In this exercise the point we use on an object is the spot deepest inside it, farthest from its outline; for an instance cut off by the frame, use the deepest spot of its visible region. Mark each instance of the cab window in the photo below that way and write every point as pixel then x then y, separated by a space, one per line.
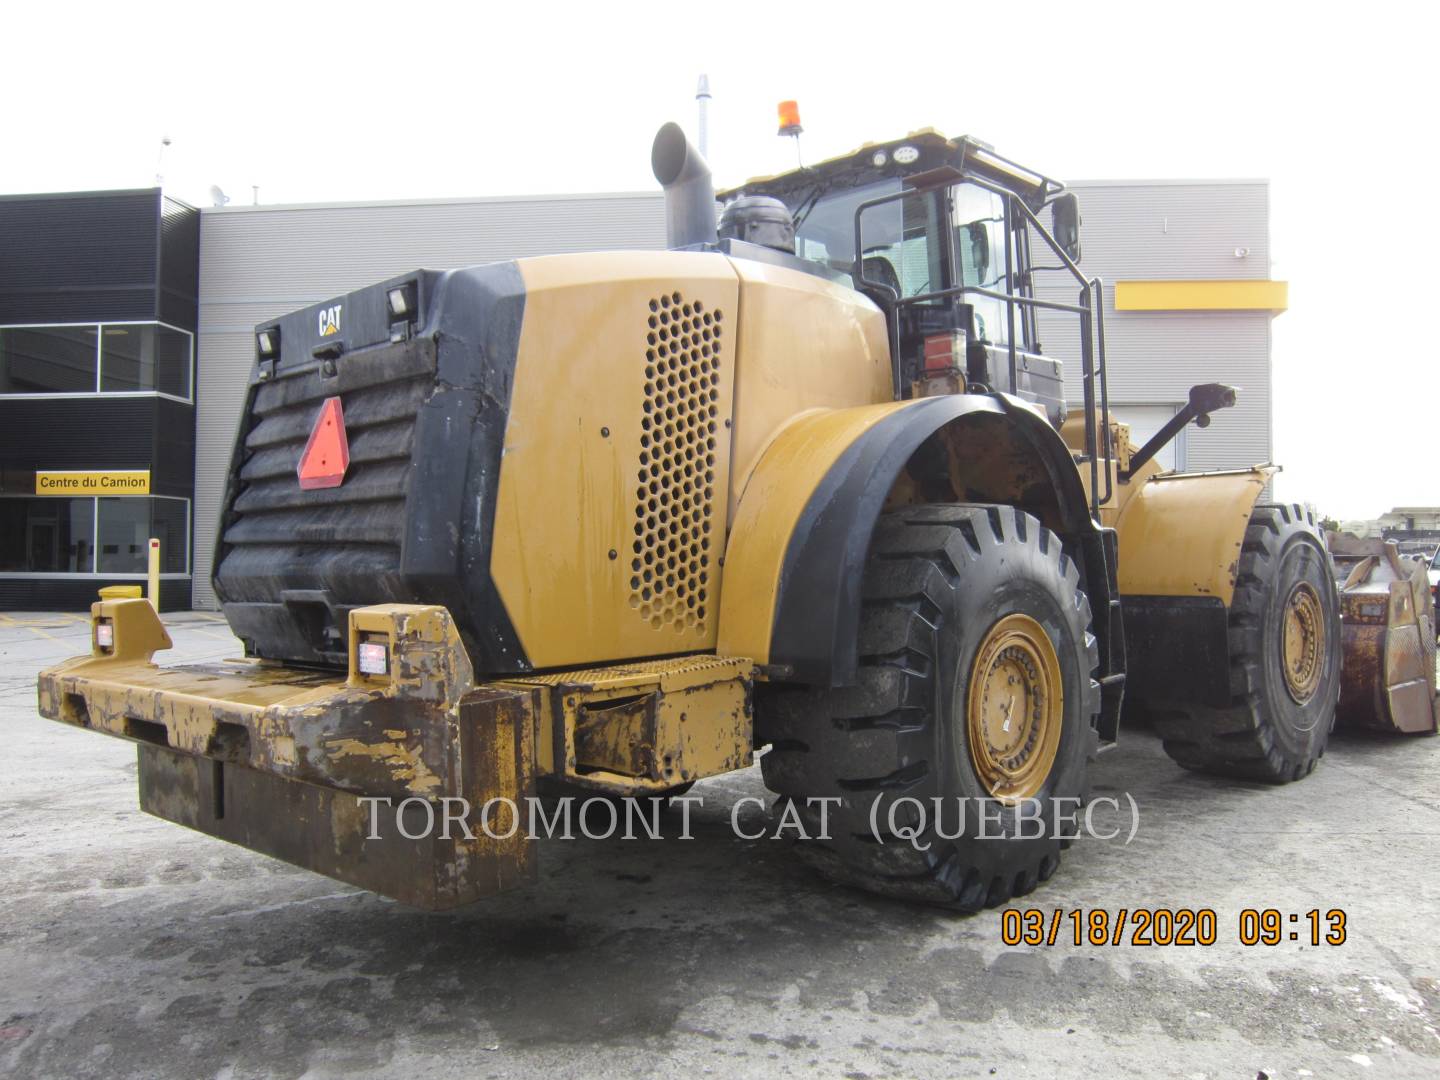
pixel 902 238
pixel 902 248
pixel 978 218
pixel 825 232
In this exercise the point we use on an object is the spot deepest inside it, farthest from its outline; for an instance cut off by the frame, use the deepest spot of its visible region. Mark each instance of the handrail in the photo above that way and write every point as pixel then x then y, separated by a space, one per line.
pixel 1090 310
pixel 1099 292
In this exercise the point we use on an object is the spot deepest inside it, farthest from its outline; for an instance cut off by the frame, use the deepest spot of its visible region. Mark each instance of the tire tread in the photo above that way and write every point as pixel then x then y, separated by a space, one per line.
pixel 1239 740
pixel 875 737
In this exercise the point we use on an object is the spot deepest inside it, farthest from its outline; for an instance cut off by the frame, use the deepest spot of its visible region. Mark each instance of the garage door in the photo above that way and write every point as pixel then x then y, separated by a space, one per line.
pixel 1146 420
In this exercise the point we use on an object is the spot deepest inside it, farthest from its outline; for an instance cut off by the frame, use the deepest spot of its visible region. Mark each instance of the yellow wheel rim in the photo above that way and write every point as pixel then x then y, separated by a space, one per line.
pixel 1015 709
pixel 1302 643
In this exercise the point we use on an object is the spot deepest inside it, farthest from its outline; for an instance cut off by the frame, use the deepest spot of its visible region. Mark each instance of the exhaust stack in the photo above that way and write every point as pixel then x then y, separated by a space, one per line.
pixel 689 191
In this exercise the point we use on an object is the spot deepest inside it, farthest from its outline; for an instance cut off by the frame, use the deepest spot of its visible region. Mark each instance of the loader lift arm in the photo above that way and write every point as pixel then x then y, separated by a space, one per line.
pixel 1204 399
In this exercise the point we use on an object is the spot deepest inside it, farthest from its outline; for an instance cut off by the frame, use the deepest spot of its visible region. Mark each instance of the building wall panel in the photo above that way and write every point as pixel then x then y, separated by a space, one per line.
pixel 86 256
pixel 1169 230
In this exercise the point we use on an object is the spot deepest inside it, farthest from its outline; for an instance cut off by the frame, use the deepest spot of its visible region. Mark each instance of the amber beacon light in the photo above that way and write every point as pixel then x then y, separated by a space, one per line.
pixel 789 118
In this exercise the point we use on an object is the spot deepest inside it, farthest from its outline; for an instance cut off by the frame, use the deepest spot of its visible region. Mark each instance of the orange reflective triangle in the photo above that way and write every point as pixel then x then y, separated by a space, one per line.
pixel 327 454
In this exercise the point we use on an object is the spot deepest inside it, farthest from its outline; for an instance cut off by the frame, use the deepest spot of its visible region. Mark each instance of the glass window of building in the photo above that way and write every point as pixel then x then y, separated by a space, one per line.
pixel 39 536
pixel 48 359
pixel 170 524
pixel 124 536
pixel 126 526
pixel 113 358
pixel 148 357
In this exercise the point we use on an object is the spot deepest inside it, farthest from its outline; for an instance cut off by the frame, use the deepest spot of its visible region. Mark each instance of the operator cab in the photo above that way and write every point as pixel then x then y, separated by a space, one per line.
pixel 938 233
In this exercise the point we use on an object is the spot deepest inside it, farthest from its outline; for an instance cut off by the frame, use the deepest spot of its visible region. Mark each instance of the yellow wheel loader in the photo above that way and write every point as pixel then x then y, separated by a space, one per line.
pixel 617 522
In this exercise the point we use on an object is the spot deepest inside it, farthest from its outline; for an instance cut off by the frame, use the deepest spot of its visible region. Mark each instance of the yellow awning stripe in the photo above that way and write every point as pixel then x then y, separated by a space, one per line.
pixel 1202 296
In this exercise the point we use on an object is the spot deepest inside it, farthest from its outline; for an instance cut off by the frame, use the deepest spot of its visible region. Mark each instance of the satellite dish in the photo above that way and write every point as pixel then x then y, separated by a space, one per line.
pixel 218 197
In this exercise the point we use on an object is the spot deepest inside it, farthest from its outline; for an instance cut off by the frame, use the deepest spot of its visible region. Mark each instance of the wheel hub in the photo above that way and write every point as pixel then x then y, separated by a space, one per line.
pixel 1015 708
pixel 1302 642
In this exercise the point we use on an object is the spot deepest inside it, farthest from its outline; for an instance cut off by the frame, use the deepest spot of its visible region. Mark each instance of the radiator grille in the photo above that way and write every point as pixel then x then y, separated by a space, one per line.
pixel 670 567
pixel 332 538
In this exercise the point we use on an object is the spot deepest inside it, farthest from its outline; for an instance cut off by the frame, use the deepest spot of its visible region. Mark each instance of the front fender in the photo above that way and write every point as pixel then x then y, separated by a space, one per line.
pixel 1181 533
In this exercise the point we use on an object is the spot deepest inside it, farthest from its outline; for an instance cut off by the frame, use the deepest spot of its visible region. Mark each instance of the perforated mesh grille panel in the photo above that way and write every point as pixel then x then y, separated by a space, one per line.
pixel 670 567
pixel 604 677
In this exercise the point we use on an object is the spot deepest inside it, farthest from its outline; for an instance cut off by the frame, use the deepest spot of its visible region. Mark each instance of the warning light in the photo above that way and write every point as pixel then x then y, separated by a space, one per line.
pixel 327 454
pixel 944 352
pixel 790 118
pixel 105 635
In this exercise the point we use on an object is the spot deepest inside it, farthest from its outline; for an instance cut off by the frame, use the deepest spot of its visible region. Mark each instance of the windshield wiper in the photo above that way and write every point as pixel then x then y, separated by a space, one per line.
pixel 821 189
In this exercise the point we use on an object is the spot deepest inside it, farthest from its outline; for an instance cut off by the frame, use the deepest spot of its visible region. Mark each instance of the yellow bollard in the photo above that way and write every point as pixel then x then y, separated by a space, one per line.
pixel 154 572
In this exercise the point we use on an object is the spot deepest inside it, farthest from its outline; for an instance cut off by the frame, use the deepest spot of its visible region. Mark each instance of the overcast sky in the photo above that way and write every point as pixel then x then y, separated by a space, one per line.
pixel 1334 104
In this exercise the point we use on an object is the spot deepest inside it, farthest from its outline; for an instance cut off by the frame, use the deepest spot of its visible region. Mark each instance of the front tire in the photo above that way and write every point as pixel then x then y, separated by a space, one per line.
pixel 1284 637
pixel 975 690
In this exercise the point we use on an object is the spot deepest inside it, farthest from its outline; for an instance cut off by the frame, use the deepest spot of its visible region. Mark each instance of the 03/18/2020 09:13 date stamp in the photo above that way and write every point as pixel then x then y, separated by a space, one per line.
pixel 1169 926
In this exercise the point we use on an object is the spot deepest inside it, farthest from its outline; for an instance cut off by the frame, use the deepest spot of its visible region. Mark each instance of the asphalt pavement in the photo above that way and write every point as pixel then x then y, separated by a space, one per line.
pixel 133 947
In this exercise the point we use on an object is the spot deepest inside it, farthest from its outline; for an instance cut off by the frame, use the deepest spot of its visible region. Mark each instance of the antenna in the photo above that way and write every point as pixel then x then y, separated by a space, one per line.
pixel 702 105
pixel 254 194
pixel 218 197
pixel 160 161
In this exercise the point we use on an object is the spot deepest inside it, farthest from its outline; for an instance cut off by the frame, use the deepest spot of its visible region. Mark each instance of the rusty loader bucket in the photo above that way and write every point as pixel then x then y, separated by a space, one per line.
pixel 1388 634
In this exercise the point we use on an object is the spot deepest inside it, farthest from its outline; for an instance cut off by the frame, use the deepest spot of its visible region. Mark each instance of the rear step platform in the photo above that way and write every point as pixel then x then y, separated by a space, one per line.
pixel 336 773
pixel 381 776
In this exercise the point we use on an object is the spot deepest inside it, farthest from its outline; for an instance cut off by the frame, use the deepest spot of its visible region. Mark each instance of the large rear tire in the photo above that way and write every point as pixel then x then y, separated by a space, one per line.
pixel 1284 636
pixel 975 689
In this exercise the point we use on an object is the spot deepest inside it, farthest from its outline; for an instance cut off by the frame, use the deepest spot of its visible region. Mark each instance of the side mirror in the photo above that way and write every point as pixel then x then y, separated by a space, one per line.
pixel 1065 211
pixel 979 239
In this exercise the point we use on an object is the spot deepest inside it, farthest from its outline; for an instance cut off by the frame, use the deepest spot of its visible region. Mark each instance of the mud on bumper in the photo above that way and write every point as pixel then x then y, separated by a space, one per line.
pixel 281 760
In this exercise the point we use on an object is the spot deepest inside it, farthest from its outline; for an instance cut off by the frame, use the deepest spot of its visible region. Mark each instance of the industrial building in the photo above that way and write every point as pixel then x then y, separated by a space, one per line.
pixel 1415 528
pixel 1185 264
pixel 97 395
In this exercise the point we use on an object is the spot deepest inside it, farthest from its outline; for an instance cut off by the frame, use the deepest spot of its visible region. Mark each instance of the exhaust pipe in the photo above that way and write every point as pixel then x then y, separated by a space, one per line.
pixel 689 191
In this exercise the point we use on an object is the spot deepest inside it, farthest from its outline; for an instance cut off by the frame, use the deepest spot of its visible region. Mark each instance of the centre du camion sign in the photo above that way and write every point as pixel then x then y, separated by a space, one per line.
pixel 126 482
